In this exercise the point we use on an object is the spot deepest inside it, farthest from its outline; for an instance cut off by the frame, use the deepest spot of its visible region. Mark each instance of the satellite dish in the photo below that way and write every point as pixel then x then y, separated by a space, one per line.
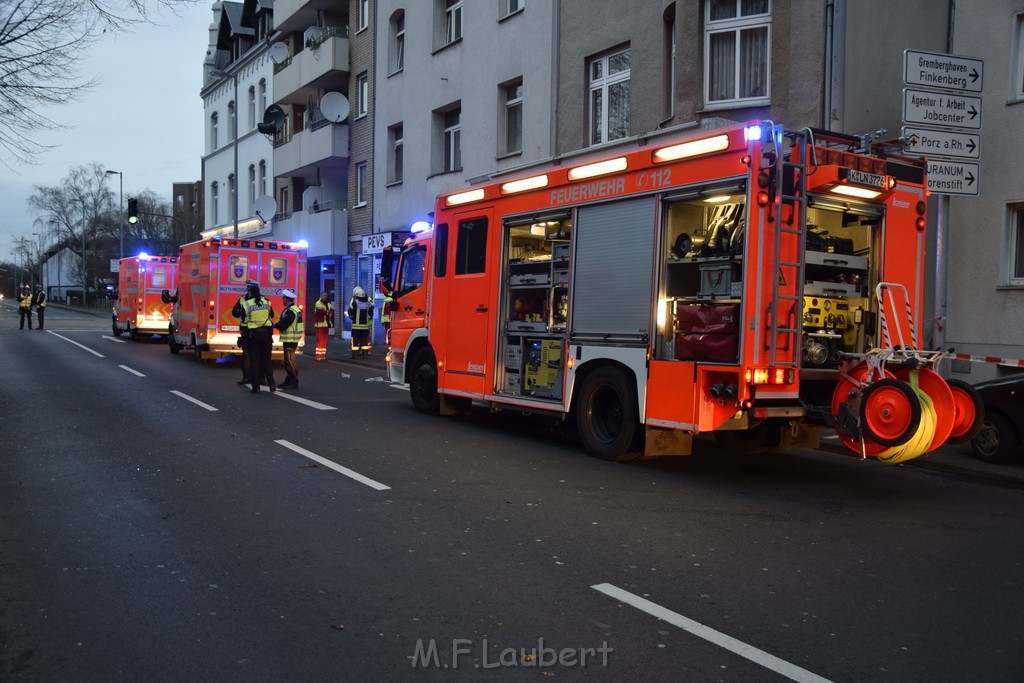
pixel 273 120
pixel 334 107
pixel 264 208
pixel 278 53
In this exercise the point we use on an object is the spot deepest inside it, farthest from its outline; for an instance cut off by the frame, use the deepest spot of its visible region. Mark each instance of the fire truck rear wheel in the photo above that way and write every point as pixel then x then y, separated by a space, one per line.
pixel 969 411
pixel 607 416
pixel 423 382
pixel 114 330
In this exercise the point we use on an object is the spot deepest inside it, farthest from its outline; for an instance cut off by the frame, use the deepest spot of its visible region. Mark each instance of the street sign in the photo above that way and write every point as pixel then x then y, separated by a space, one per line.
pixel 941 109
pixel 952 177
pixel 932 70
pixel 941 143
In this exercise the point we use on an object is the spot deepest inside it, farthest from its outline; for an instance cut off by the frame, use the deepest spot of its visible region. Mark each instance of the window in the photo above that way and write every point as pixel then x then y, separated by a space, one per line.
pixel 736 39
pixel 511 6
pixel 609 97
pixel 364 14
pixel 514 117
pixel 452 21
pixel 238 268
pixel 1018 41
pixel 395 143
pixel 441 250
pixel 471 248
pixel 453 140
pixel 232 123
pixel 396 55
pixel 362 94
pixel 252 184
pixel 414 262
pixel 263 96
pixel 361 184
pixel 252 107
pixel 214 197
pixel 1016 250
pixel 263 178
pixel 233 203
pixel 214 121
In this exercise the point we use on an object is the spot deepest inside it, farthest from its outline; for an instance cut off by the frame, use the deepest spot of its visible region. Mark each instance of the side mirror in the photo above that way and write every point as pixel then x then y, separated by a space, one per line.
pixel 167 298
pixel 392 305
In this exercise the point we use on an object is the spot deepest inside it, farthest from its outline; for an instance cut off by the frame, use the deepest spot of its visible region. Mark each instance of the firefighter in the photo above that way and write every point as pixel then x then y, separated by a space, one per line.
pixel 238 311
pixel 25 308
pixel 323 321
pixel 39 301
pixel 360 311
pixel 290 327
pixel 259 319
pixel 385 309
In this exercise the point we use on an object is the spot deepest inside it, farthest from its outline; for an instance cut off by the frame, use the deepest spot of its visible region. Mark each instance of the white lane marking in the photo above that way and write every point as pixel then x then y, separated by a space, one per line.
pixel 114 339
pixel 333 465
pixel 134 372
pixel 95 353
pixel 304 401
pixel 194 400
pixel 779 666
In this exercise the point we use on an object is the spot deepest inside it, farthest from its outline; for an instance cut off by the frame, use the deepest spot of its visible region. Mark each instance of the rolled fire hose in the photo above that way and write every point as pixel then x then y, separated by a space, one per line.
pixel 922 439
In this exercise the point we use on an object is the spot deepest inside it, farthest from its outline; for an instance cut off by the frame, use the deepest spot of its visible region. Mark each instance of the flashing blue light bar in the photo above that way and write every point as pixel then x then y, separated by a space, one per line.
pixel 754 132
pixel 303 244
pixel 143 255
pixel 420 226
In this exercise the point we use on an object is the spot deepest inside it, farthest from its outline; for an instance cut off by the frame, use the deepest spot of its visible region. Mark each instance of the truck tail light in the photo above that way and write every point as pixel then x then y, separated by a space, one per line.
pixel 769 376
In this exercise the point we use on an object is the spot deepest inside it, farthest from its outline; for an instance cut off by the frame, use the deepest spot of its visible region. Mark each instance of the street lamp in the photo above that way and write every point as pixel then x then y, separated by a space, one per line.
pixel 40 257
pixel 120 222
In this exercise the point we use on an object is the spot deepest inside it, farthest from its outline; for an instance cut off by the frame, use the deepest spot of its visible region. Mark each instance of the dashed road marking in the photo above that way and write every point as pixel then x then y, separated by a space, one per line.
pixel 134 372
pixel 71 341
pixel 333 465
pixel 194 400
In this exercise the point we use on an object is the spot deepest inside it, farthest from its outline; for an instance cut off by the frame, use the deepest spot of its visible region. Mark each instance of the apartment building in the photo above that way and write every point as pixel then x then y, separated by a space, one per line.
pixel 237 73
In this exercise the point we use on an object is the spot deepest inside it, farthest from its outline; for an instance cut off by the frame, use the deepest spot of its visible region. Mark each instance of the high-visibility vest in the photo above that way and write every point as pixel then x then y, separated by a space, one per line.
pixel 292 333
pixel 322 313
pixel 25 301
pixel 363 310
pixel 257 315
pixel 40 300
pixel 385 311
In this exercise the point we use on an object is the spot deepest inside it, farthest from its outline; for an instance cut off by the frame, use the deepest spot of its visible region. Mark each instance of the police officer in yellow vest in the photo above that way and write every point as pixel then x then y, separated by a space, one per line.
pixel 39 301
pixel 290 327
pixel 259 319
pixel 25 308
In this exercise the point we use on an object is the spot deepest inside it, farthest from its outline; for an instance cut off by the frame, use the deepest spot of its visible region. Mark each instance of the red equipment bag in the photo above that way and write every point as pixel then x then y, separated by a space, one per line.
pixel 707 333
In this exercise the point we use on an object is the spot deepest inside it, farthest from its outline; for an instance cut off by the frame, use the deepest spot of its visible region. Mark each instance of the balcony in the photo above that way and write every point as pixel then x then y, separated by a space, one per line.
pixel 311 148
pixel 297 15
pixel 326 231
pixel 322 66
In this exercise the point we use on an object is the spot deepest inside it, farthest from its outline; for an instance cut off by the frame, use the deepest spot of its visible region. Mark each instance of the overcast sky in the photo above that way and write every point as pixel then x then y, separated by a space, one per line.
pixel 145 118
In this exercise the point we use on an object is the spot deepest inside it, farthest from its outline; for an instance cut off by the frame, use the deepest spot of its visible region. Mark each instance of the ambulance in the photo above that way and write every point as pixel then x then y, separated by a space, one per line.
pixel 214 274
pixel 754 282
pixel 141 309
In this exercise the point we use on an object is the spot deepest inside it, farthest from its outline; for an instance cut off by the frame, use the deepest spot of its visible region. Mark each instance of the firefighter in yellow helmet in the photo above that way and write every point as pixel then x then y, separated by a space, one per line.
pixel 25 307
pixel 360 311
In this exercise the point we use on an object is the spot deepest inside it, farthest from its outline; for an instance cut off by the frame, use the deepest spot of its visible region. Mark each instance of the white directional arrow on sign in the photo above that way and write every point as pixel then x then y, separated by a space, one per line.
pixel 949 72
pixel 941 109
pixel 951 177
pixel 941 143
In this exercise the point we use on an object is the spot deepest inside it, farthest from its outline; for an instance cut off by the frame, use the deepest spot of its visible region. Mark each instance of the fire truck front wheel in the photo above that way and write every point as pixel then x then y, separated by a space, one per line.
pixel 423 382
pixel 607 416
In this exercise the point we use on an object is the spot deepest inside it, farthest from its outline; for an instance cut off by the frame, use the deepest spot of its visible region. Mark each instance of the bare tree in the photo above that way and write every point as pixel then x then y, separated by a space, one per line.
pixel 41 44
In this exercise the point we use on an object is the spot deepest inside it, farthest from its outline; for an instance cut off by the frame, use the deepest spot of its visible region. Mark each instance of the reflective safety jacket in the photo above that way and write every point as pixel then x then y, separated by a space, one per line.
pixel 360 310
pixel 258 315
pixel 385 311
pixel 40 299
pixel 291 329
pixel 25 300
pixel 323 314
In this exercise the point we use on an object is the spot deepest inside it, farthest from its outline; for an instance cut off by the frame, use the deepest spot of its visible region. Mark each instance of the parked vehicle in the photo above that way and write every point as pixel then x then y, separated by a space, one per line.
pixel 1001 438
pixel 140 309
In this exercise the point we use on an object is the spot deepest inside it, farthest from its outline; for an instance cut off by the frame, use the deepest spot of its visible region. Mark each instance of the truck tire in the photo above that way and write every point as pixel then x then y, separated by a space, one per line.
pixel 114 330
pixel 607 416
pixel 997 442
pixel 423 382
pixel 171 342
pixel 969 411
pixel 197 353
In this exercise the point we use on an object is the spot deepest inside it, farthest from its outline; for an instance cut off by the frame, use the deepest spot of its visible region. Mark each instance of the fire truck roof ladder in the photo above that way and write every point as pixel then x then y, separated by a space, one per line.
pixel 790 192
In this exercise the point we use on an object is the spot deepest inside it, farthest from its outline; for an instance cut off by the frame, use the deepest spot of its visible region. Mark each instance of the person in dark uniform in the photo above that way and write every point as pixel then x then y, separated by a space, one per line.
pixel 243 335
pixel 259 319
pixel 25 308
pixel 290 327
pixel 39 301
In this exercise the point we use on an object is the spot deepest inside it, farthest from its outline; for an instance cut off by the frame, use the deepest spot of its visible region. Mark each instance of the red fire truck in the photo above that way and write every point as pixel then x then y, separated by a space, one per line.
pixel 755 282
pixel 142 281
pixel 214 274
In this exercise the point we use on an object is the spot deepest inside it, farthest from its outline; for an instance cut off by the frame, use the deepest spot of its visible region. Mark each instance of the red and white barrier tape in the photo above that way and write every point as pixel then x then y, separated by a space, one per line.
pixel 991 360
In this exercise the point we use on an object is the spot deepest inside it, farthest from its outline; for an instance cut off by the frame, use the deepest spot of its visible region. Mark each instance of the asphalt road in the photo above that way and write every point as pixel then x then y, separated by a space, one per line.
pixel 159 523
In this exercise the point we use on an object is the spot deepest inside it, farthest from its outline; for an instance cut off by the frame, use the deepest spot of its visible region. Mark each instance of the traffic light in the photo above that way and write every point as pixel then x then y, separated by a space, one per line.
pixel 133 210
